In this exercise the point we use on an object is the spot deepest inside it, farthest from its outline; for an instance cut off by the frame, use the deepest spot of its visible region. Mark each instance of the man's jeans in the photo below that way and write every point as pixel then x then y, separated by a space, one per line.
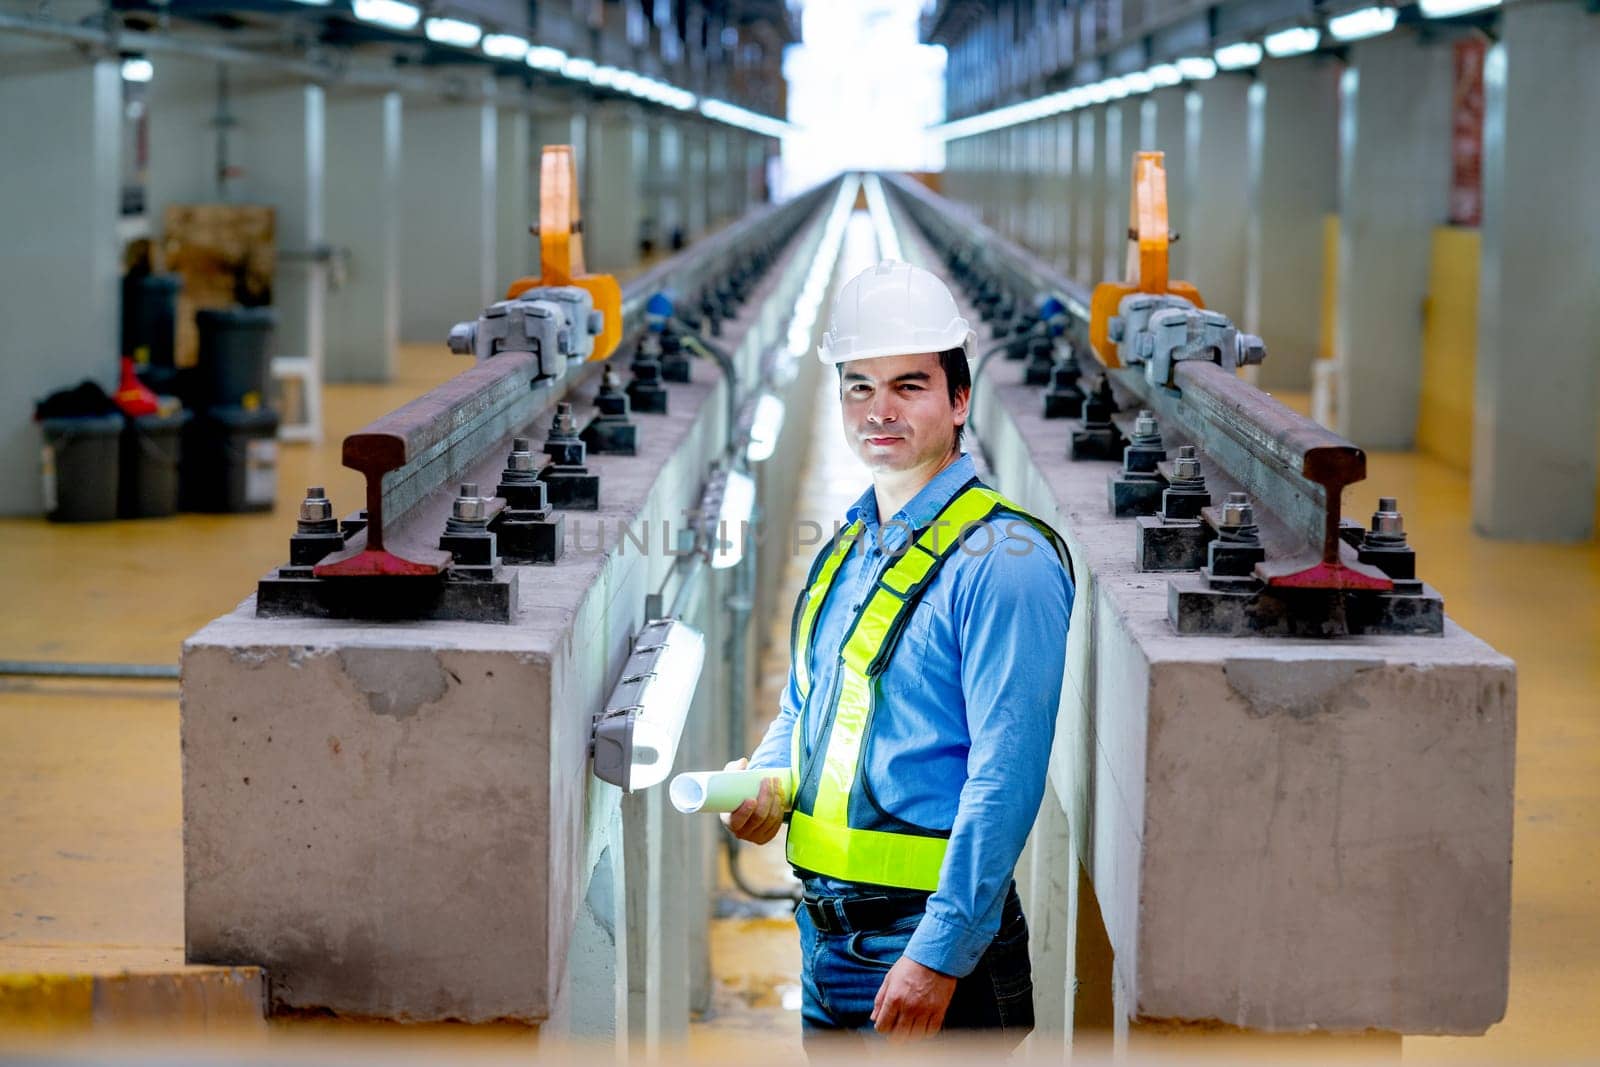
pixel 841 974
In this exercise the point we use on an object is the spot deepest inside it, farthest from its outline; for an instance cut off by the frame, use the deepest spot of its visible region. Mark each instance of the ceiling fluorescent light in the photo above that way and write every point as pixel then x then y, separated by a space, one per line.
pixel 1197 68
pixel 1444 9
pixel 1164 74
pixel 1116 88
pixel 604 76
pixel 314 3
pixel 1140 82
pixel 394 14
pixel 1362 23
pixel 1295 41
pixel 765 426
pixel 543 57
pixel 578 69
pixel 505 46
pixel 137 69
pixel 1238 56
pixel 456 32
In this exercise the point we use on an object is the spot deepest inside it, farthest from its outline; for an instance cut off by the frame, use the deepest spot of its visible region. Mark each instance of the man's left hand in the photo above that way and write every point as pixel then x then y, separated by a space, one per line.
pixel 912 1001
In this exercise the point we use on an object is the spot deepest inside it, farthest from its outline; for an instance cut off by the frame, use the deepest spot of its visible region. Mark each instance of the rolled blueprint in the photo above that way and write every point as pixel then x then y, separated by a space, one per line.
pixel 695 791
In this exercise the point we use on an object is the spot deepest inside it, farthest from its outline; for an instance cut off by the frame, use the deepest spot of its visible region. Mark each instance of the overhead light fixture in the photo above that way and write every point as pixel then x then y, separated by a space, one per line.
pixel 1165 75
pixel 634 741
pixel 543 57
pixel 505 46
pixel 1240 55
pixel 395 14
pixel 765 426
pixel 734 493
pixel 1116 88
pixel 1197 68
pixel 1295 41
pixel 1139 81
pixel 604 76
pixel 457 32
pixel 137 69
pixel 314 3
pixel 1445 9
pixel 1362 23
pixel 577 68
pixel 732 115
pixel 628 82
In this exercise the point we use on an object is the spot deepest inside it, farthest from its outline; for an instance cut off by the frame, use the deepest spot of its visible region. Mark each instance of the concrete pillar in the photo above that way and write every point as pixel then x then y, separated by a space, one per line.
pixel 59 262
pixel 1061 210
pixel 1121 134
pixel 616 176
pixel 671 165
pixel 1292 160
pixel 593 1002
pixel 363 226
pixel 1163 122
pixel 284 157
pixel 1218 191
pixel 1040 199
pixel 1089 225
pixel 717 211
pixel 1538 361
pixel 447 248
pixel 516 209
pixel 642 826
pixel 182 136
pixel 696 193
pixel 1394 174
pixel 755 173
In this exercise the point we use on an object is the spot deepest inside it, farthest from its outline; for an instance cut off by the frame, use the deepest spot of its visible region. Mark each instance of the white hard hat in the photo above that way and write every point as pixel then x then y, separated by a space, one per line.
pixel 893 309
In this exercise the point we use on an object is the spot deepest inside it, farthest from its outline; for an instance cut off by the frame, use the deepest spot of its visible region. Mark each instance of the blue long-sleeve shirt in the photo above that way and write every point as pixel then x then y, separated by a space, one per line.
pixel 965 711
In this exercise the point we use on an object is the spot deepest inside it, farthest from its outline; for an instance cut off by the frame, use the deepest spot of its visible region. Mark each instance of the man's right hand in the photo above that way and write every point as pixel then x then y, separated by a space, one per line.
pixel 759 819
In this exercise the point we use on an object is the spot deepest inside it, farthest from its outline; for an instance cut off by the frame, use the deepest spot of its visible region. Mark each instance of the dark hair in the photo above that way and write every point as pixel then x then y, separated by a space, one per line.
pixel 957 377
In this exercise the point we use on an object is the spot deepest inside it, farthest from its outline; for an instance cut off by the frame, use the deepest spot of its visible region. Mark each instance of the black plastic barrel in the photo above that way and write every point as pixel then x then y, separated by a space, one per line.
pixel 150 318
pixel 81 467
pixel 151 448
pixel 232 367
pixel 230 460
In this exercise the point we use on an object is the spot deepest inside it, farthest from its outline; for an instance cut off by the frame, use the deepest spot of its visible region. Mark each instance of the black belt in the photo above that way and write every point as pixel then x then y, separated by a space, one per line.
pixel 843 915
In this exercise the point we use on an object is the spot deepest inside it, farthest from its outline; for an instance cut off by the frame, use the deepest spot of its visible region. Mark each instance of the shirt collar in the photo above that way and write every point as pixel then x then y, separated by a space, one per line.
pixel 921 509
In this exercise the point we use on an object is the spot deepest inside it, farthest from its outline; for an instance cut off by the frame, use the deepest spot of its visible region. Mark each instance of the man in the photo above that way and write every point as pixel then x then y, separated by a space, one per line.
pixel 922 694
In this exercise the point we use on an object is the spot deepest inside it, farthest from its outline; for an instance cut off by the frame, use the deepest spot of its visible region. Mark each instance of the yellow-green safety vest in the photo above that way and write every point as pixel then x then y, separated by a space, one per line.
pixel 872 848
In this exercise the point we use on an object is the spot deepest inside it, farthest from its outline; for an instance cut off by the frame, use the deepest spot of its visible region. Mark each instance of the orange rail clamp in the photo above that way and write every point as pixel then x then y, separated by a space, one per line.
pixel 1148 241
pixel 560 232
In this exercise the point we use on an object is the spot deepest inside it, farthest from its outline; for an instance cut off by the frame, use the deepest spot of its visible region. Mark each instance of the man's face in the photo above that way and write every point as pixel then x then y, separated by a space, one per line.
pixel 897 411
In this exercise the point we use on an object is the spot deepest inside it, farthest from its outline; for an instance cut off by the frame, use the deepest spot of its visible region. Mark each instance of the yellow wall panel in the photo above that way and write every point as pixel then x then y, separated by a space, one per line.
pixel 1450 348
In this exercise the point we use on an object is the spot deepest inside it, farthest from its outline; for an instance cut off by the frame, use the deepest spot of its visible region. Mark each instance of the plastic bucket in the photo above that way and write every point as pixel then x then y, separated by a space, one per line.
pixel 80 467
pixel 151 449
pixel 232 367
pixel 230 460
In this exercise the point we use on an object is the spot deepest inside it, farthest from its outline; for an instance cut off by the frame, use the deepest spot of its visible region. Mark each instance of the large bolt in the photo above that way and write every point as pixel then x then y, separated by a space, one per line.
pixel 521 458
pixel 1251 349
pixel 463 338
pixel 1387 521
pixel 469 506
pixel 316 507
pixel 1186 468
pixel 1145 425
pixel 562 425
pixel 1236 511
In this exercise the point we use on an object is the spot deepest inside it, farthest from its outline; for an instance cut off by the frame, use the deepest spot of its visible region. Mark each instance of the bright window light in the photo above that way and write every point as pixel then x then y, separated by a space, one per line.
pixel 1362 23
pixel 1197 68
pixel 394 14
pixel 543 57
pixel 577 68
pixel 456 32
pixel 1240 55
pixel 505 46
pixel 765 428
pixel 137 69
pixel 1294 41
pixel 1444 9
pixel 1164 74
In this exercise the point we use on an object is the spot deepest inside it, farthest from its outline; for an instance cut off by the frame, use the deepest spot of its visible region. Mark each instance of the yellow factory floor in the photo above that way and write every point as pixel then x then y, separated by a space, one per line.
pixel 90 856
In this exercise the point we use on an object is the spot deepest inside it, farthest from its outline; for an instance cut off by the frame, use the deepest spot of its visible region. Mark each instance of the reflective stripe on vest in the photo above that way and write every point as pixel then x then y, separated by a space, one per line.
pixel 822 838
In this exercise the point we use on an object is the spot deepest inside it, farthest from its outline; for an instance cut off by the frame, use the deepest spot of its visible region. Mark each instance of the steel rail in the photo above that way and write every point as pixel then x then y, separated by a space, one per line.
pixel 1292 466
pixel 409 455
